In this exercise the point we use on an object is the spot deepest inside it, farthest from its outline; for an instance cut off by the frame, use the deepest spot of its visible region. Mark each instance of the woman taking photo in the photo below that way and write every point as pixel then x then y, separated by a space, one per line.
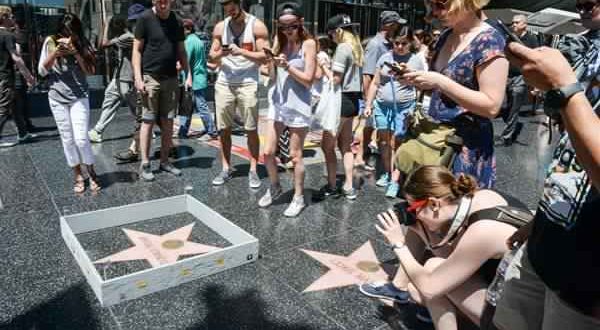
pixel 393 102
pixel 467 81
pixel 451 220
pixel 293 63
pixel 347 73
pixel 66 59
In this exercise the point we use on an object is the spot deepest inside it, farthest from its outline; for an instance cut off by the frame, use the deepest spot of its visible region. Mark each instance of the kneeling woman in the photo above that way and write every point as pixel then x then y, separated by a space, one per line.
pixel 295 60
pixel 466 246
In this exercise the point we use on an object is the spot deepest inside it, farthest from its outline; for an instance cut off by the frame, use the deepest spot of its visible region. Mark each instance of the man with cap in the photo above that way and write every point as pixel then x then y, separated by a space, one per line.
pixel 237 47
pixel 158 46
pixel 197 81
pixel 380 44
pixel 121 88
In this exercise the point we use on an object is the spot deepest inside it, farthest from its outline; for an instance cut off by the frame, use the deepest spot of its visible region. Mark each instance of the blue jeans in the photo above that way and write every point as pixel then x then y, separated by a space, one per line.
pixel 201 107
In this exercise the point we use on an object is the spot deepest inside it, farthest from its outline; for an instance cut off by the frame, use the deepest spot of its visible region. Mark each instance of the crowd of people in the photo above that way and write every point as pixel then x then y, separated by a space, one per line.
pixel 426 98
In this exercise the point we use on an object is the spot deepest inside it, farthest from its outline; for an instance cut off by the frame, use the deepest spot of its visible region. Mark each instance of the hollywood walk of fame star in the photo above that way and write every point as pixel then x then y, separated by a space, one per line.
pixel 159 249
pixel 359 267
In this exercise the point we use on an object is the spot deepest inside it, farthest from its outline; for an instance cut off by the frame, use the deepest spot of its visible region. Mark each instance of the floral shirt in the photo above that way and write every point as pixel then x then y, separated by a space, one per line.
pixel 477 156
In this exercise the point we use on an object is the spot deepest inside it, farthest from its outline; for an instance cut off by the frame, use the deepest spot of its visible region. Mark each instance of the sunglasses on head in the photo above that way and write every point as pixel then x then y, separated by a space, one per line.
pixel 289 27
pixel 586 6
pixel 439 4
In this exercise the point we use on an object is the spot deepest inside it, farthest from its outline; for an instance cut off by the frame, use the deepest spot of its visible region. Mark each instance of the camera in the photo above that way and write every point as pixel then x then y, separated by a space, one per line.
pixel 405 217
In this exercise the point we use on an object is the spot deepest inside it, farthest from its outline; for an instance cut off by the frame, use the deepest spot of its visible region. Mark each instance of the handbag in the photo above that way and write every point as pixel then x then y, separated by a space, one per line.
pixel 186 102
pixel 329 109
pixel 430 143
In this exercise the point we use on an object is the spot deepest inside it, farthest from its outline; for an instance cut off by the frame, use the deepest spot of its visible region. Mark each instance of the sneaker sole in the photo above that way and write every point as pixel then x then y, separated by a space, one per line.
pixel 372 295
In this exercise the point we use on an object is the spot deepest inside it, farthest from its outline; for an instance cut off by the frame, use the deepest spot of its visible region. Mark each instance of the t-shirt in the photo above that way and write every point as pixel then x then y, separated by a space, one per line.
pixel 196 54
pixel 563 246
pixel 124 44
pixel 67 81
pixel 376 47
pixel 391 90
pixel 159 56
pixel 7 47
pixel 343 62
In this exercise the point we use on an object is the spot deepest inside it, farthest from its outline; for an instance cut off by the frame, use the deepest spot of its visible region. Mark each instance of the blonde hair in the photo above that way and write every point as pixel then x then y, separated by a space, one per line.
pixel 5 10
pixel 439 182
pixel 459 6
pixel 346 36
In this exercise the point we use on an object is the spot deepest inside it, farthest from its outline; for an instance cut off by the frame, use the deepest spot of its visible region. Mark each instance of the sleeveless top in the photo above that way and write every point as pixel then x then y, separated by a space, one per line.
pixel 288 93
pixel 238 69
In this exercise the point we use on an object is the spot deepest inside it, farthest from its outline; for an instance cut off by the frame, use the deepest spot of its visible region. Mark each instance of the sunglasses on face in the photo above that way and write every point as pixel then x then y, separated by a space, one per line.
pixel 586 6
pixel 516 22
pixel 439 4
pixel 289 27
pixel 401 43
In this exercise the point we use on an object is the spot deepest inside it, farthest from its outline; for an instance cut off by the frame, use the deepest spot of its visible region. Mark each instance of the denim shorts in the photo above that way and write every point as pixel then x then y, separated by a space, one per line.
pixel 396 120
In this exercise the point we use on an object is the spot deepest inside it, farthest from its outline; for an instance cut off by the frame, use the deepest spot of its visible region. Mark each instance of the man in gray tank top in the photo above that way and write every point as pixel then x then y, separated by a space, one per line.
pixel 237 49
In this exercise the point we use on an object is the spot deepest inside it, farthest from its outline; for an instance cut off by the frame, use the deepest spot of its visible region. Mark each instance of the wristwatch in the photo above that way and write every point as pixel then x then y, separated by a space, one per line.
pixel 397 247
pixel 557 99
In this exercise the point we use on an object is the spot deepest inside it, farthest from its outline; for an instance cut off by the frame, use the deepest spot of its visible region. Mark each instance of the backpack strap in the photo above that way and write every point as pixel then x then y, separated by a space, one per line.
pixel 514 216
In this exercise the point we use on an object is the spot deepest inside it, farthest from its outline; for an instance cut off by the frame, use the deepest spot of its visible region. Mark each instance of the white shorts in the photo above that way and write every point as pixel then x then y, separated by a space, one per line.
pixel 289 117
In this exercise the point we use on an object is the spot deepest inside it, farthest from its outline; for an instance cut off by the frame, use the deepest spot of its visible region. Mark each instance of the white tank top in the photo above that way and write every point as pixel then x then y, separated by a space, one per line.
pixel 238 69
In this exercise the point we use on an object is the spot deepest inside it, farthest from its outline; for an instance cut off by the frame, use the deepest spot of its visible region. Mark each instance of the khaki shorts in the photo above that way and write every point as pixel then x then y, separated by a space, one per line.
pixel 527 303
pixel 161 98
pixel 232 98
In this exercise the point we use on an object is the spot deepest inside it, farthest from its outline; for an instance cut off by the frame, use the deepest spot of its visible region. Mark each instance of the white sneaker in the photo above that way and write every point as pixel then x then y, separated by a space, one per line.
pixel 295 207
pixel 271 194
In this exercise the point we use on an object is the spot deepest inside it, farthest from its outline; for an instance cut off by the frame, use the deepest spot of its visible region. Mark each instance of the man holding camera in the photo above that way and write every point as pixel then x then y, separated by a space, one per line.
pixel 157 47
pixel 237 47
pixel 553 281
pixel 9 56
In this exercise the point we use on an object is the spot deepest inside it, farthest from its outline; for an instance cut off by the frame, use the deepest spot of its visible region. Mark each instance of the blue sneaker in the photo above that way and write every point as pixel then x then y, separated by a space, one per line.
pixel 383 180
pixel 392 190
pixel 385 291
pixel 423 314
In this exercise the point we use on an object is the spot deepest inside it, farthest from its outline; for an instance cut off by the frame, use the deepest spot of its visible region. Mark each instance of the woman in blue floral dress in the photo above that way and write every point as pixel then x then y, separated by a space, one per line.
pixel 467 83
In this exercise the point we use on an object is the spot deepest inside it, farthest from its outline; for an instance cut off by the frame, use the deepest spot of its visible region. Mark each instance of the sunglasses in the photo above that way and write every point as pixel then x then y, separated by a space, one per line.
pixel 439 4
pixel 416 205
pixel 289 27
pixel 401 43
pixel 516 22
pixel 586 7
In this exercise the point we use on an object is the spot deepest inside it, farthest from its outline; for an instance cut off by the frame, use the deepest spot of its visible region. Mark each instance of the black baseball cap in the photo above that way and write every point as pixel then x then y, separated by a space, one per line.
pixel 339 21
pixel 228 1
pixel 390 16
pixel 289 8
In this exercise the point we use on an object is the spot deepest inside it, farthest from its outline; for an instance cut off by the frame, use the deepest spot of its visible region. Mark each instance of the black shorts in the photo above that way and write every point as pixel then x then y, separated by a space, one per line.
pixel 350 106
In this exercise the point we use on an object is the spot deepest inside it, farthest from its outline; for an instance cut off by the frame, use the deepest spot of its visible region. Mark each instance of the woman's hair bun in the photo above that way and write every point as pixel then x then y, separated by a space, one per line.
pixel 464 185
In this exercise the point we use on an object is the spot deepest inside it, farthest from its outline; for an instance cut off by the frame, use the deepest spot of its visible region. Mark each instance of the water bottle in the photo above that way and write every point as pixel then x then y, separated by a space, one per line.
pixel 494 291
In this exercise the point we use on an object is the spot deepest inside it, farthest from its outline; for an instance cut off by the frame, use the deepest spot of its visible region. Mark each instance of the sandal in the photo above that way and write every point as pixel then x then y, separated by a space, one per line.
pixel 79 186
pixel 94 184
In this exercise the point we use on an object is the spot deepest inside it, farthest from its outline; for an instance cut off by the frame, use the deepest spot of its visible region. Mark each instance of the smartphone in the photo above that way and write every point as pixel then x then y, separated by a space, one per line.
pixel 268 52
pixel 395 67
pixel 225 47
pixel 508 33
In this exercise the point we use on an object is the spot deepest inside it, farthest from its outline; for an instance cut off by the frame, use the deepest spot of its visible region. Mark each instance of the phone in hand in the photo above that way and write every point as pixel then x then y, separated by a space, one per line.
pixel 226 47
pixel 396 68
pixel 269 52
pixel 508 34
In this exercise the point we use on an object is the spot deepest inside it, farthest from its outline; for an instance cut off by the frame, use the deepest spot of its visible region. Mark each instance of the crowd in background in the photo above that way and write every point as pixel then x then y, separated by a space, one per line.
pixel 425 99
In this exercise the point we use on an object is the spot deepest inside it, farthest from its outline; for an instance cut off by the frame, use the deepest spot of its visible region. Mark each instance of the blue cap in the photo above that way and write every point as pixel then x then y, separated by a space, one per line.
pixel 135 11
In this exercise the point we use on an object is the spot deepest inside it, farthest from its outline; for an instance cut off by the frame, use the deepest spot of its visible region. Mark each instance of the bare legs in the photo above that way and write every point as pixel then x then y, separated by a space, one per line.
pixel 344 142
pixel 253 147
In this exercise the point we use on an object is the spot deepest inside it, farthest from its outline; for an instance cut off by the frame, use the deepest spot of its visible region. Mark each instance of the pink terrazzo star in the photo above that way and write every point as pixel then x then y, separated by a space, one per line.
pixel 159 249
pixel 359 267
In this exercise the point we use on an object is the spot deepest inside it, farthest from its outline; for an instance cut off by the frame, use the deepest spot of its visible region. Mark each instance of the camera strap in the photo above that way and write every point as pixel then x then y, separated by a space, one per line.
pixel 458 222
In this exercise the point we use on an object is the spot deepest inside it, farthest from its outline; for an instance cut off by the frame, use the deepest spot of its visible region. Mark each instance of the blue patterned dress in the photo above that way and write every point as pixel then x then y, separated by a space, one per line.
pixel 477 156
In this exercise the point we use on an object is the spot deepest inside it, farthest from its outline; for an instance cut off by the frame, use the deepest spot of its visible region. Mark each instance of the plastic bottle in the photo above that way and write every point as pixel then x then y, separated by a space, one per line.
pixel 494 291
